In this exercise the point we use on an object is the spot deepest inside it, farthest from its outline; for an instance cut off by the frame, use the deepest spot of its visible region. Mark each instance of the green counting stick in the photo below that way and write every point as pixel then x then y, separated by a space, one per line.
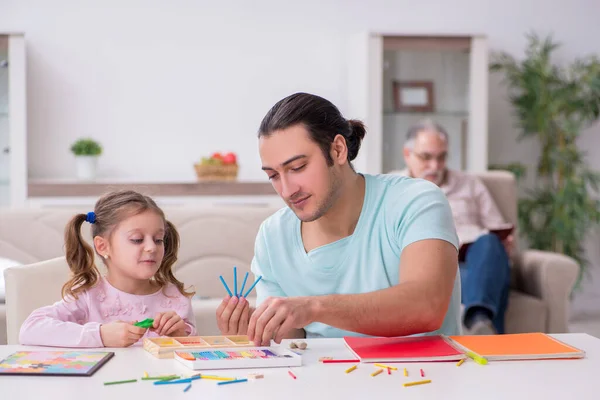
pixel 119 382
pixel 147 323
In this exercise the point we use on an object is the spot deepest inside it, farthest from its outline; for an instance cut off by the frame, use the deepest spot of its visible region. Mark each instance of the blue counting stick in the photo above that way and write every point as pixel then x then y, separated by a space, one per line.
pixel 226 287
pixel 235 281
pixel 244 284
pixel 252 287
pixel 235 381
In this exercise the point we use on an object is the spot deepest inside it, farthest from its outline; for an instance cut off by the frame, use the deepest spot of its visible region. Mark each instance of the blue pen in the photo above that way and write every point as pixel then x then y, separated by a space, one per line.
pixel 235 281
pixel 235 381
pixel 244 284
pixel 226 287
pixel 252 287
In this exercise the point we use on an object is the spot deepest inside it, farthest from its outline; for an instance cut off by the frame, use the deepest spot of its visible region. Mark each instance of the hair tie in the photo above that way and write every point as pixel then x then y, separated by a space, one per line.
pixel 91 217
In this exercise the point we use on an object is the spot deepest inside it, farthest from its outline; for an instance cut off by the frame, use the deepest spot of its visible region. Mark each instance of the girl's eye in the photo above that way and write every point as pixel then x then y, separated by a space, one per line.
pixel 273 177
pixel 159 241
pixel 137 241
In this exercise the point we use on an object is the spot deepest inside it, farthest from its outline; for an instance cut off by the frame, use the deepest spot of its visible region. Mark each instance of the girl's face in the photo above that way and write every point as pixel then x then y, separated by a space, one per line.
pixel 136 247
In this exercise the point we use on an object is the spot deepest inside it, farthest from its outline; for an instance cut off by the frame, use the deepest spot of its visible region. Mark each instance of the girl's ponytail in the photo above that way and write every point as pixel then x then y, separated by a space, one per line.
pixel 80 257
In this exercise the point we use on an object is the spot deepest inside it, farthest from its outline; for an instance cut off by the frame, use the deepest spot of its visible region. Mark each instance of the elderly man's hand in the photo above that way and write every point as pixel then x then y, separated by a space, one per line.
pixel 277 316
pixel 509 244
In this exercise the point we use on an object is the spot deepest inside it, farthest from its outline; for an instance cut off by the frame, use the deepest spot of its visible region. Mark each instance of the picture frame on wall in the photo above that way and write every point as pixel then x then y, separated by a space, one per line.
pixel 414 96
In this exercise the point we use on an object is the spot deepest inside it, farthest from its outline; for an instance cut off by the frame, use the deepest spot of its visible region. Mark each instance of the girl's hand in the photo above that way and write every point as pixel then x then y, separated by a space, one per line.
pixel 120 334
pixel 169 324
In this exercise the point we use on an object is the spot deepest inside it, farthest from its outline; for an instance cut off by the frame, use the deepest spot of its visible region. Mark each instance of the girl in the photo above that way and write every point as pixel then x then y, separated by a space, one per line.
pixel 139 247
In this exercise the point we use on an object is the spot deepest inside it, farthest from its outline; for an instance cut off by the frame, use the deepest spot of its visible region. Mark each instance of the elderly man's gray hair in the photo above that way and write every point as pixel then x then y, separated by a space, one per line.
pixel 424 125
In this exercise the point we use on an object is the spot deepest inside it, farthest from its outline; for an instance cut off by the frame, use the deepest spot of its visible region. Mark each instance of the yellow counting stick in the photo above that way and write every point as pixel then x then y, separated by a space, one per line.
pixel 458 364
pixel 216 378
pixel 350 369
pixel 477 358
pixel 417 383
pixel 386 366
pixel 405 372
pixel 377 372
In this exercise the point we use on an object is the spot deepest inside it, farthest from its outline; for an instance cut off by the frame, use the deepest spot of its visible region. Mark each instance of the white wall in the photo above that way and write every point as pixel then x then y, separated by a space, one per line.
pixel 172 81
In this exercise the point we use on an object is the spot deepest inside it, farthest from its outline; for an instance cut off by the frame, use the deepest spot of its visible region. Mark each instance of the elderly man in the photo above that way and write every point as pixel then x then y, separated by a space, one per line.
pixel 485 270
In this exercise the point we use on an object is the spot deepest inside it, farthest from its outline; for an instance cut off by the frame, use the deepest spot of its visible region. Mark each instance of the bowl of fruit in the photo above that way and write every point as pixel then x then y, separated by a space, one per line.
pixel 217 167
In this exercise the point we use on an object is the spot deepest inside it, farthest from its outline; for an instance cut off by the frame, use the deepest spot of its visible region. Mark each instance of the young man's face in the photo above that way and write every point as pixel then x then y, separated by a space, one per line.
pixel 427 158
pixel 299 172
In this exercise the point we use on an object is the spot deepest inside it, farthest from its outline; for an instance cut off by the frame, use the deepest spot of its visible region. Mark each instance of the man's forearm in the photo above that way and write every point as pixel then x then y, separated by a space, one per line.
pixel 401 310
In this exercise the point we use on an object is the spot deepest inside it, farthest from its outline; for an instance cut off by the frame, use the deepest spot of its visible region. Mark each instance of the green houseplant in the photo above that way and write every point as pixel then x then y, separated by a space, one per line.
pixel 86 153
pixel 553 104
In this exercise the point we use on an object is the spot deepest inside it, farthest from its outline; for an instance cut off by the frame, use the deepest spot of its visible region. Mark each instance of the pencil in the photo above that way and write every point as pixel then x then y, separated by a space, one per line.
pixel 386 366
pixel 244 283
pixel 226 287
pixel 458 364
pixel 235 281
pixel 417 383
pixel 292 374
pixel 377 372
pixel 252 287
pixel 119 382
pixel 351 369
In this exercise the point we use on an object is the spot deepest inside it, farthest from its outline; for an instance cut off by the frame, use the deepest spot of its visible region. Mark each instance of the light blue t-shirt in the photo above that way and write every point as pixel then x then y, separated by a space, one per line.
pixel 397 211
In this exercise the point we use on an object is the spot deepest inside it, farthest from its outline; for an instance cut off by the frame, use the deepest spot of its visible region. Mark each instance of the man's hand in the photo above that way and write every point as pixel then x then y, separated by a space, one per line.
pixel 233 315
pixel 509 244
pixel 278 316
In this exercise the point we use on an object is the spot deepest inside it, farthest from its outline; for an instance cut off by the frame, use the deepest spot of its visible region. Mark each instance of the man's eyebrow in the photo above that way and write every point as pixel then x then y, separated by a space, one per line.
pixel 283 164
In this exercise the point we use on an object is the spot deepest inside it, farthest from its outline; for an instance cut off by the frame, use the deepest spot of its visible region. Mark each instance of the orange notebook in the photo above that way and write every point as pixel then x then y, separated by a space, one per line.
pixel 403 349
pixel 518 346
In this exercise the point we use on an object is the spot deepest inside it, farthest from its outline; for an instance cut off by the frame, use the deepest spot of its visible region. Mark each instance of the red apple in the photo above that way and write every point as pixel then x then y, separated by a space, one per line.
pixel 229 158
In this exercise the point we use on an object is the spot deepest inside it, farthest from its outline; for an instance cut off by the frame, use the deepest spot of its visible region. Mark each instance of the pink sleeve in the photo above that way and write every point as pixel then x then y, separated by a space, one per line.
pixel 489 214
pixel 61 325
pixel 190 319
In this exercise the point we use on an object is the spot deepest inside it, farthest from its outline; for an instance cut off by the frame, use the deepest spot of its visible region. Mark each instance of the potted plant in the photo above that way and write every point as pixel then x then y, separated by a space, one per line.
pixel 86 153
pixel 554 104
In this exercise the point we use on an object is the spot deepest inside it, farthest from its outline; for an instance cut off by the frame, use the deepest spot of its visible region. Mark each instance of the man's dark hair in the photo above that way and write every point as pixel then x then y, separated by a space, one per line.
pixel 320 117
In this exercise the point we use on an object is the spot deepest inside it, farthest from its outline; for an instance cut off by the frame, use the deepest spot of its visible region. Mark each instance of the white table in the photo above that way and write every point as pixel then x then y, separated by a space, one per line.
pixel 551 379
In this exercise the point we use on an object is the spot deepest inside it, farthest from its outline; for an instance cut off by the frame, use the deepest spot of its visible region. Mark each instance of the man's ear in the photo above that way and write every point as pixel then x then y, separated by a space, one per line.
pixel 406 153
pixel 339 150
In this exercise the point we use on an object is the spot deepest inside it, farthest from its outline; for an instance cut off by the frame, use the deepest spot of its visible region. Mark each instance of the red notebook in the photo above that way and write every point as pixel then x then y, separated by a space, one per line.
pixel 403 349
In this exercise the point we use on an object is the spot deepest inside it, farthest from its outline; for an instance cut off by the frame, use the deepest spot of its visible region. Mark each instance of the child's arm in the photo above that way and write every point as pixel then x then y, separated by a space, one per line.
pixel 61 324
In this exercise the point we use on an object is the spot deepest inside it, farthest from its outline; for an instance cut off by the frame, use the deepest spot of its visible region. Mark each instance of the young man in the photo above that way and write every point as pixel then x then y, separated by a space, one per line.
pixel 351 254
pixel 485 272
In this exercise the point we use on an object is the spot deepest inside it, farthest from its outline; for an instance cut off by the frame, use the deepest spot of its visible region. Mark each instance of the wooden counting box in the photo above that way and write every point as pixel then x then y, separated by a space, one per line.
pixel 164 347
